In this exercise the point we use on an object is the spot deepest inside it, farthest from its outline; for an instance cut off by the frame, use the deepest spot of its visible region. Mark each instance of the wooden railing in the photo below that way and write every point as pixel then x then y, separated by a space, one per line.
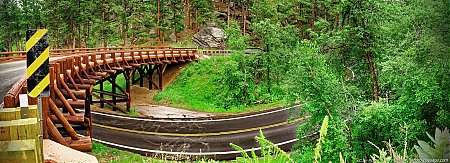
pixel 75 72
pixel 21 55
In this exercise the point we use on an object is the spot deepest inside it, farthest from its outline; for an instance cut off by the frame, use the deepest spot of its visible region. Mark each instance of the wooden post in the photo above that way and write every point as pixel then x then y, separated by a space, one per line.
pixel 150 76
pixel 102 104
pixel 52 81
pixel 160 77
pixel 45 114
pixel 62 120
pixel 55 133
pixel 141 76
pixel 87 111
pixel 113 87
pixel 128 89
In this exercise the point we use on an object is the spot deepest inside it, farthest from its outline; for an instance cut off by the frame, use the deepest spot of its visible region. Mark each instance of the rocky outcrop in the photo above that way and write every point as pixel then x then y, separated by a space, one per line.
pixel 210 37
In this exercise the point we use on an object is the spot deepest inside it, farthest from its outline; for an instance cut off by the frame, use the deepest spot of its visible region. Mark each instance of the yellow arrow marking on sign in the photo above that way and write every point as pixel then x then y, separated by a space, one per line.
pixel 37 63
pixel 35 38
pixel 40 87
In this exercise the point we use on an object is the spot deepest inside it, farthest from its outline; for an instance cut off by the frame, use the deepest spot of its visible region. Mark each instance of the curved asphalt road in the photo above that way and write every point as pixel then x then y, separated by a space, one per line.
pixel 189 138
pixel 10 73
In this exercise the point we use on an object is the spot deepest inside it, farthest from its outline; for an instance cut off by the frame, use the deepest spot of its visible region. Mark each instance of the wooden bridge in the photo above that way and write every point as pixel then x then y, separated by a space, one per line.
pixel 73 75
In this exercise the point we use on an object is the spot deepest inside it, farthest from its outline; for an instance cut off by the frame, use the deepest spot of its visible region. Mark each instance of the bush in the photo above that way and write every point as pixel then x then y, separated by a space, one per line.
pixel 379 122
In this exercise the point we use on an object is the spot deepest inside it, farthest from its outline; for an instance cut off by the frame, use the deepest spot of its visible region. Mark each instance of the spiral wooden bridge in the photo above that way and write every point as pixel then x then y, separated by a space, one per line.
pixel 73 75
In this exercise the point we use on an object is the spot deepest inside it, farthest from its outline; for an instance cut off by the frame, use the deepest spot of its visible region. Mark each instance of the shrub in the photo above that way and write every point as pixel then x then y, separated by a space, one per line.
pixel 382 121
pixel 441 148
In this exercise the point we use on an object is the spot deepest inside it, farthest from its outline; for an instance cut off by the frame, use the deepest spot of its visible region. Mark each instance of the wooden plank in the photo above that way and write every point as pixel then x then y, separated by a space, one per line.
pixel 84 144
pixel 18 129
pixel 63 121
pixel 26 128
pixel 53 131
pixel 77 119
pixel 5 131
pixel 13 130
pixel 33 111
pixel 18 151
pixel 8 114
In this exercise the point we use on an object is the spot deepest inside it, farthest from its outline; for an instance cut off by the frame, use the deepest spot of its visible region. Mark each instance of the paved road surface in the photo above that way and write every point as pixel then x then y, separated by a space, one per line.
pixel 184 138
pixel 10 73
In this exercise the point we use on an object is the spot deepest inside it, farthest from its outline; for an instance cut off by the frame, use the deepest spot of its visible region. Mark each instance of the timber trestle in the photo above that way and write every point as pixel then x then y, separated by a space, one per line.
pixel 81 77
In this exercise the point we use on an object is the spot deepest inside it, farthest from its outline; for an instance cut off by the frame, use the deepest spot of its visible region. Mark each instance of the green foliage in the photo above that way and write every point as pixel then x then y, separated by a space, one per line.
pixel 133 112
pixel 236 81
pixel 194 87
pixel 217 84
pixel 107 154
pixel 416 72
pixel 235 40
pixel 269 152
pixel 391 123
pixel 388 156
pixel 204 10
pixel 441 148
pixel 264 9
pixel 322 135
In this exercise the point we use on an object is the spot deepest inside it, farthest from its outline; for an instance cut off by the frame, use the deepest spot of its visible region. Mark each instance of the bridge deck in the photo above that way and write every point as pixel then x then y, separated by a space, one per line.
pixel 73 75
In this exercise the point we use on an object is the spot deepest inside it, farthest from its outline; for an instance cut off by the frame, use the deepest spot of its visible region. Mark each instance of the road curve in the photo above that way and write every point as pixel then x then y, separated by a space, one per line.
pixel 187 138
pixel 10 73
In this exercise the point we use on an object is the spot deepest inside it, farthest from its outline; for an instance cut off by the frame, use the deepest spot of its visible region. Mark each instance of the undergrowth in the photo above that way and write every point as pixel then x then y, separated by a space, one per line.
pixel 208 86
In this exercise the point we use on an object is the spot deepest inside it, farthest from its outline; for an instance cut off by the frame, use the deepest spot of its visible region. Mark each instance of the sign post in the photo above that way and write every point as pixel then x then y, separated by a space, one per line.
pixel 38 78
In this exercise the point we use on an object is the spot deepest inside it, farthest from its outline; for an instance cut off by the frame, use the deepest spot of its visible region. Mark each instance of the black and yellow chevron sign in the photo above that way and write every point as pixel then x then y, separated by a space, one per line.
pixel 37 48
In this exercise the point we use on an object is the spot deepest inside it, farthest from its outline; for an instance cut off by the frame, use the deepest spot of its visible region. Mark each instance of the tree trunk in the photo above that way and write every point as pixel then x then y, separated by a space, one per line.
pixel 73 41
pixel 124 22
pixel 74 34
pixel 57 43
pixel 336 21
pixel 8 43
pixel 369 57
pixel 312 14
pixel 228 13
pixel 158 15
pixel 103 24
pixel 189 14
pixel 78 25
pixel 196 20
pixel 132 33
pixel 243 18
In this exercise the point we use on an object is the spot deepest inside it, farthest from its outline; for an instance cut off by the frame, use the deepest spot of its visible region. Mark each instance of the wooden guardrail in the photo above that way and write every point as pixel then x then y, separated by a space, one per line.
pixel 215 52
pixel 20 55
pixel 75 72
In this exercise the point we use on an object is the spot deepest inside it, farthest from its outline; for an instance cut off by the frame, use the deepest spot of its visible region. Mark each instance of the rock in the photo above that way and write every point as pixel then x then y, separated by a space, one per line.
pixel 152 32
pixel 210 37
pixel 54 152
pixel 212 24
pixel 173 37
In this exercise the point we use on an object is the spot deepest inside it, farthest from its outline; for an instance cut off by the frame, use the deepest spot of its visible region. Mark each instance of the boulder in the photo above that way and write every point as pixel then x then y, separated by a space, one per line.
pixel 173 37
pixel 210 37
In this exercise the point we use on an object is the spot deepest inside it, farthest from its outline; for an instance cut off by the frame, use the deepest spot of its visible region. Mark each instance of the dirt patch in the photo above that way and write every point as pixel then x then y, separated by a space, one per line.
pixel 155 111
